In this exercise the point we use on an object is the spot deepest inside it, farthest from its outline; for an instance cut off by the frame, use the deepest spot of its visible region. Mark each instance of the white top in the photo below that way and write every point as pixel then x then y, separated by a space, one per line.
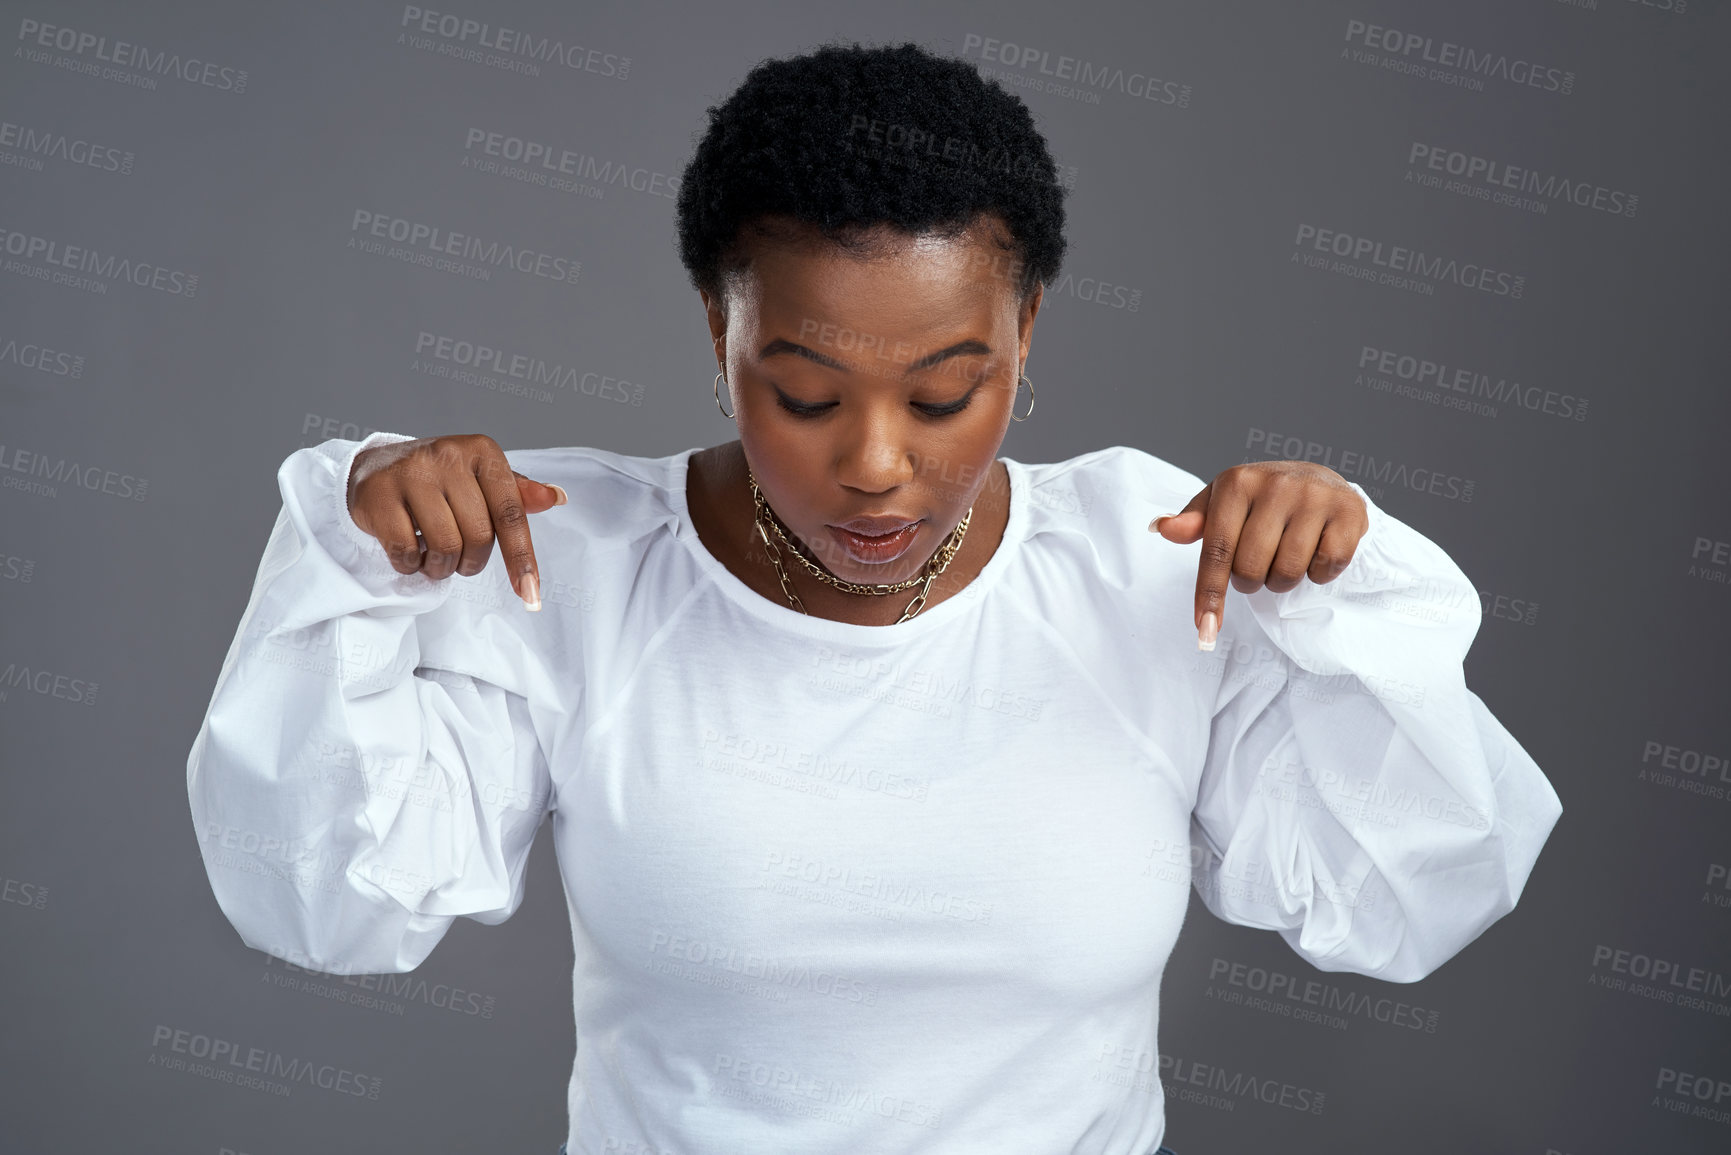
pixel 838 888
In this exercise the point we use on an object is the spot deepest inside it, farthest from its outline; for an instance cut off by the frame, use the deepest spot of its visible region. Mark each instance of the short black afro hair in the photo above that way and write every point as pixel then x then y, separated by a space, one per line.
pixel 850 137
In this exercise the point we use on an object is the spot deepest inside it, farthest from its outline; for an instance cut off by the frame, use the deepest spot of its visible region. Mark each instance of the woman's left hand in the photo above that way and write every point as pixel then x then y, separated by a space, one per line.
pixel 1266 523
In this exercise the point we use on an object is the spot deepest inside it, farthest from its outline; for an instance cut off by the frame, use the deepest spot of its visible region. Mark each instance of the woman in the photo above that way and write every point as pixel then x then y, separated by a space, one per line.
pixel 880 766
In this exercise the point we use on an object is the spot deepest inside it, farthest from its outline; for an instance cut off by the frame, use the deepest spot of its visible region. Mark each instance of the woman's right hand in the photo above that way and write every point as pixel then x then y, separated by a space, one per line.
pixel 461 494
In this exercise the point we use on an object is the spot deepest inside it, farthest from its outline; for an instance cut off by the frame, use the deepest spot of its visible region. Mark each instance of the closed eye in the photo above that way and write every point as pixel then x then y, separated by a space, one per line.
pixel 800 408
pixel 952 408
pixel 804 409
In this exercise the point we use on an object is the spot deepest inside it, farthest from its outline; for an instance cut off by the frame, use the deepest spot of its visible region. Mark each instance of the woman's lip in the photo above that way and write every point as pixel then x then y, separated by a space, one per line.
pixel 875 526
pixel 876 550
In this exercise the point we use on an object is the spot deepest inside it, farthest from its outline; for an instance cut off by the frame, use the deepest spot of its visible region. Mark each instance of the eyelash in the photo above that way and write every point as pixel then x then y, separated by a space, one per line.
pixel 819 410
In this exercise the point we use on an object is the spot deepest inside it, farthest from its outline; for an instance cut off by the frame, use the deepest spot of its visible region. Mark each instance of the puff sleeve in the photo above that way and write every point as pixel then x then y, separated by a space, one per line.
pixel 1355 796
pixel 373 759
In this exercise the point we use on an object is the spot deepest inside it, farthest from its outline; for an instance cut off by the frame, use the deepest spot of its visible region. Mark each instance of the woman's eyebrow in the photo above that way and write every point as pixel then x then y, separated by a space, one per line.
pixel 961 348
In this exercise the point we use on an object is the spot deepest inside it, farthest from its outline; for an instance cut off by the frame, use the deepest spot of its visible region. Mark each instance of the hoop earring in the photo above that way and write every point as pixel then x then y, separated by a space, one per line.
pixel 717 392
pixel 1030 412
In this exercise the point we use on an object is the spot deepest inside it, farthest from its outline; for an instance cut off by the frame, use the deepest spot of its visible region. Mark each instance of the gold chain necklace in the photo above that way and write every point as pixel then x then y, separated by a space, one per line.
pixel 935 565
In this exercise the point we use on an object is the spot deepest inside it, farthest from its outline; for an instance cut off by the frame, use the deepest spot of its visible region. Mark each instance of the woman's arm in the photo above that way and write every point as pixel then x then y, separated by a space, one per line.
pixel 1355 795
pixel 373 761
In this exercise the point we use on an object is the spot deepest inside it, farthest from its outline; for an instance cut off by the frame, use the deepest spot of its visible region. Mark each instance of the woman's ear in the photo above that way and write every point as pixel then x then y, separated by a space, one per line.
pixel 717 318
pixel 1025 325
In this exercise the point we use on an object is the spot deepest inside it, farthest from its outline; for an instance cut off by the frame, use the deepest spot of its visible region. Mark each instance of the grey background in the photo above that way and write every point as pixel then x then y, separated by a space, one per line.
pixel 1599 636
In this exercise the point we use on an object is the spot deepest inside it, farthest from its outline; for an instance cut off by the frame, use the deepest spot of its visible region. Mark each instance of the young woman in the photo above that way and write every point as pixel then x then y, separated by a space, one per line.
pixel 881 767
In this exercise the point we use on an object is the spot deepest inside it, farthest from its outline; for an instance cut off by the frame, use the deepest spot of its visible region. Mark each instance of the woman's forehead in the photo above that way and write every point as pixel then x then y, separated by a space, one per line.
pixel 788 241
pixel 966 273
pixel 882 300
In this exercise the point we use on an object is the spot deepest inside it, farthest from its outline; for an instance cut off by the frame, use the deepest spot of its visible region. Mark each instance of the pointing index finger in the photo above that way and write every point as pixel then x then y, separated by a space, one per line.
pixel 1223 520
pixel 510 526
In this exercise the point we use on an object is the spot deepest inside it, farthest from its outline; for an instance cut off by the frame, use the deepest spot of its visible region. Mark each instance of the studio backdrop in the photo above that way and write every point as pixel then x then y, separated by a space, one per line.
pixel 1469 255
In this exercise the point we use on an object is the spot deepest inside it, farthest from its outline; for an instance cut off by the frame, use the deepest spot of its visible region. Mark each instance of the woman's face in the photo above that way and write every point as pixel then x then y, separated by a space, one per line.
pixel 876 386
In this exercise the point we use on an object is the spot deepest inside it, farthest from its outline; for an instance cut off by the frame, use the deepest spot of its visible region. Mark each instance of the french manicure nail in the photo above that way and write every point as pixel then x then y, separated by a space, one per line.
pixel 560 490
pixel 531 592
pixel 1210 629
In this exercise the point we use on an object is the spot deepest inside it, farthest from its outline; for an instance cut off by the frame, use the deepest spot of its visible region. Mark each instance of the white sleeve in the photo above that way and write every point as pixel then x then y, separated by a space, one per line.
pixel 1355 795
pixel 372 761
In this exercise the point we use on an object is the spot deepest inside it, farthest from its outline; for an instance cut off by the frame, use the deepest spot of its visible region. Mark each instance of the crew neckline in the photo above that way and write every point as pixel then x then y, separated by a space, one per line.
pixel 784 617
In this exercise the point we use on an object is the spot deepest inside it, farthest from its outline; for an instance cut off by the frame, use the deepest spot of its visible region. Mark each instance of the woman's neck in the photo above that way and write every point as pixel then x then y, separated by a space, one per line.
pixel 719 500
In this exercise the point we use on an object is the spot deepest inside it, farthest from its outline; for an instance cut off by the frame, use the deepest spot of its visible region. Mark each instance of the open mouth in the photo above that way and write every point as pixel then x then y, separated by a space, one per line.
pixel 876 550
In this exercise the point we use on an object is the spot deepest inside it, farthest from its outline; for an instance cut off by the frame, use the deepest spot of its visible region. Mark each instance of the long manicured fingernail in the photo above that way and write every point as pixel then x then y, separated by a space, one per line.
pixel 1210 629
pixel 1154 526
pixel 560 490
pixel 531 592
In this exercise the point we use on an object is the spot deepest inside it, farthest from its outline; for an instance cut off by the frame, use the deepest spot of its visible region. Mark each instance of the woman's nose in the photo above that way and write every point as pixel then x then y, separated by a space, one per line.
pixel 875 456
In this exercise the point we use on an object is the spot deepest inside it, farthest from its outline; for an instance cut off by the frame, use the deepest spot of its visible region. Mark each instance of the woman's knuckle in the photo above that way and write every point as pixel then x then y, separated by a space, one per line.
pixel 510 516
